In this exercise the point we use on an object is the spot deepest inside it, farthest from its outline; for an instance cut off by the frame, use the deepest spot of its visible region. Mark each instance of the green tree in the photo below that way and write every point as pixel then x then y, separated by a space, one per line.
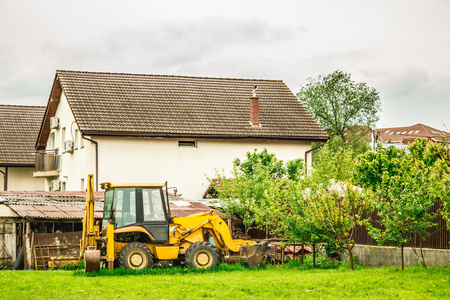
pixel 338 103
pixel 407 184
pixel 255 185
pixel 333 162
pixel 337 211
pixel 299 226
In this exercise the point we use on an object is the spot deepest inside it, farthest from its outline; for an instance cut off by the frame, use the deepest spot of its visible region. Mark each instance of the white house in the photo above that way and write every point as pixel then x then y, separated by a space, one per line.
pixel 19 128
pixel 143 128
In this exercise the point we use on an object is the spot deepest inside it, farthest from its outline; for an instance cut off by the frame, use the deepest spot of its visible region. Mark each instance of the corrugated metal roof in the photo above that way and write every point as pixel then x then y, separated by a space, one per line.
pixel 63 212
pixel 62 198
pixel 6 212
pixel 191 209
pixel 70 205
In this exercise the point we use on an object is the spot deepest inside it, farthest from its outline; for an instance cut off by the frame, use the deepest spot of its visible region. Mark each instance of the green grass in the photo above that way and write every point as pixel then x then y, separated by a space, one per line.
pixel 291 281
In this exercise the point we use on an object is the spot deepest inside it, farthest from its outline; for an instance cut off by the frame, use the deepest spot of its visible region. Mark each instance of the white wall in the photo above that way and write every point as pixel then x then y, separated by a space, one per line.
pixel 21 179
pixel 74 167
pixel 149 160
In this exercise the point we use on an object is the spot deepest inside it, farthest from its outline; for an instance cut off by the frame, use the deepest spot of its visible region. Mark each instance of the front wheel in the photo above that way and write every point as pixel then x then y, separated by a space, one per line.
pixel 202 255
pixel 136 256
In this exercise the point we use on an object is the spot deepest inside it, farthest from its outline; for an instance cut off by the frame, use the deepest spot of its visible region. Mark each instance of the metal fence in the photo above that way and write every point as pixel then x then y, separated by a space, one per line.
pixel 439 235
pixel 47 160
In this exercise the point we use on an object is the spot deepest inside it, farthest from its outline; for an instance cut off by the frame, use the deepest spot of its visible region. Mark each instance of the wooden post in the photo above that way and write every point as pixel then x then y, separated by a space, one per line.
pixel 301 253
pixel 275 255
pixel 27 241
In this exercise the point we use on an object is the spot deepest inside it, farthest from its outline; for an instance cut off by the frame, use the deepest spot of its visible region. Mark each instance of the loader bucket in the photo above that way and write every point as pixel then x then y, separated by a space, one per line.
pixel 91 260
pixel 254 254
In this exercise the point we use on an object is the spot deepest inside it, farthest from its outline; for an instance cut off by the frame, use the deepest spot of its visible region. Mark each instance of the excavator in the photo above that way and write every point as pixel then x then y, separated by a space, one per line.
pixel 137 232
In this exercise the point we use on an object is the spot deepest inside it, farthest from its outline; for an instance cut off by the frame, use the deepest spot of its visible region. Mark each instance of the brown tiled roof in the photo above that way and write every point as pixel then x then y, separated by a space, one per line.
pixel 408 134
pixel 19 129
pixel 157 105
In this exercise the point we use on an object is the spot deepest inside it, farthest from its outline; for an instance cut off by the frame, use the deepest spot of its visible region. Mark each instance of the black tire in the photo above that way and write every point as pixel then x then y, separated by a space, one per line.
pixel 136 256
pixel 202 255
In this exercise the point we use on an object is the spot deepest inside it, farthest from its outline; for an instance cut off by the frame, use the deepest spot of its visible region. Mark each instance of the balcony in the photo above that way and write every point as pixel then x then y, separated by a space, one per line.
pixel 47 163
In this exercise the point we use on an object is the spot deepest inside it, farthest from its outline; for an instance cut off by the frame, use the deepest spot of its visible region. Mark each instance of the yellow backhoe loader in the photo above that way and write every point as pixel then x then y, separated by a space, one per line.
pixel 137 231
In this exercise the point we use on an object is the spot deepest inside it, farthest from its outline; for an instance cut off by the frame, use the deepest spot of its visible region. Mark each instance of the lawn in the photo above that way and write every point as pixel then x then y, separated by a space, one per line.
pixel 235 282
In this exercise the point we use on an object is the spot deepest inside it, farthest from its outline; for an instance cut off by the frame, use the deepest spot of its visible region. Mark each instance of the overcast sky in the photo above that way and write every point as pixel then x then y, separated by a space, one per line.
pixel 401 48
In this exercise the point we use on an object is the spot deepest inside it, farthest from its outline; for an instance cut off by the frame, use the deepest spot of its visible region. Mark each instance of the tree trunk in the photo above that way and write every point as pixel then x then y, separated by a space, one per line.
pixel 314 255
pixel 350 257
pixel 423 258
pixel 420 257
pixel 403 259
pixel 350 254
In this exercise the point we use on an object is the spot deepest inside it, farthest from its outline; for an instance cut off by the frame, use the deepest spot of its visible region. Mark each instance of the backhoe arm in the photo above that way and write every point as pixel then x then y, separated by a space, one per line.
pixel 215 226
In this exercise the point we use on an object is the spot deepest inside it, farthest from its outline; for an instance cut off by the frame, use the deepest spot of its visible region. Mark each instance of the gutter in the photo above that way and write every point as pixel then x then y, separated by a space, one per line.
pixel 5 179
pixel 175 135
pixel 96 159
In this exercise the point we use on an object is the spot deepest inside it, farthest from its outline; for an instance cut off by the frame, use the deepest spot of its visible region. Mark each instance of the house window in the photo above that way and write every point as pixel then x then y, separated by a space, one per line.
pixel 187 144
pixel 51 142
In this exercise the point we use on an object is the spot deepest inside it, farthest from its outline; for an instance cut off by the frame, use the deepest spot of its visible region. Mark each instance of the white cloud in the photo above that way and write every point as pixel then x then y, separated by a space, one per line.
pixel 398 47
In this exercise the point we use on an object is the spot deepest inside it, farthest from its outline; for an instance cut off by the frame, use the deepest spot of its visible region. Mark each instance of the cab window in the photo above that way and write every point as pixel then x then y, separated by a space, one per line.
pixel 153 205
pixel 124 207
pixel 107 208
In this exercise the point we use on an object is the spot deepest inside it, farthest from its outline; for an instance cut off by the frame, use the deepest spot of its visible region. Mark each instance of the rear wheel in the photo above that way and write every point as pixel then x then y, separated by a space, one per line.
pixel 136 256
pixel 202 255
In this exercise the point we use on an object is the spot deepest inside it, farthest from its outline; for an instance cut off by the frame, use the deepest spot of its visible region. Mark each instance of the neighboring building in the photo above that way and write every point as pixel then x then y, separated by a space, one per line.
pixel 19 128
pixel 143 128
pixel 402 136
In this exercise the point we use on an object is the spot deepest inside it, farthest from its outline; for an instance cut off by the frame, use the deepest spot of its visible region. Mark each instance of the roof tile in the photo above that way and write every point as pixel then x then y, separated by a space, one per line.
pixel 19 129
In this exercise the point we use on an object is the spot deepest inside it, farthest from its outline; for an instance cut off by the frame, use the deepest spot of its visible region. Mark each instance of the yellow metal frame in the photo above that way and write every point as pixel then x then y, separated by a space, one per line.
pixel 90 232
pixel 108 185
pixel 167 252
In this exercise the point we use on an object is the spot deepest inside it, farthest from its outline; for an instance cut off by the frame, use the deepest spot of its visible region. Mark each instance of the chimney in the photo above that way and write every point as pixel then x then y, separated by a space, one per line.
pixel 254 109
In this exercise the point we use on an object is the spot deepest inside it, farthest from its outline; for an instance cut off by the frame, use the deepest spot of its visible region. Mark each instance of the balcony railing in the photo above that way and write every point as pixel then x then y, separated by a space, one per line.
pixel 47 163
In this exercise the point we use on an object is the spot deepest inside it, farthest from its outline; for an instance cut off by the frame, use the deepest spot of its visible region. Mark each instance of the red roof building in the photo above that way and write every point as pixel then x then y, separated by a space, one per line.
pixel 408 134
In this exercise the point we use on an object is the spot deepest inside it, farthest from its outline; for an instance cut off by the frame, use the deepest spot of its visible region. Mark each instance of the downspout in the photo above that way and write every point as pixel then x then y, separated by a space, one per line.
pixel 306 156
pixel 96 159
pixel 5 179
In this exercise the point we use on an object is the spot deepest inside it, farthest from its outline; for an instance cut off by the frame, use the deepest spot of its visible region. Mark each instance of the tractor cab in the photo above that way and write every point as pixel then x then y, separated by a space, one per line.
pixel 139 212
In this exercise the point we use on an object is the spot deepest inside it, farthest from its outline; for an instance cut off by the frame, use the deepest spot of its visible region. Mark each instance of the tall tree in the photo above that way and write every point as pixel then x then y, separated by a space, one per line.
pixel 338 103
